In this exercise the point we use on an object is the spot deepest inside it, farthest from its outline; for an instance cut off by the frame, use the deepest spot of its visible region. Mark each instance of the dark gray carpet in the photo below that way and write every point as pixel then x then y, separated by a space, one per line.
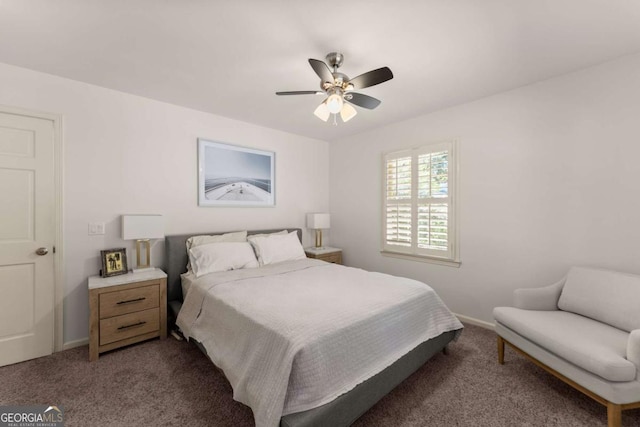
pixel 172 383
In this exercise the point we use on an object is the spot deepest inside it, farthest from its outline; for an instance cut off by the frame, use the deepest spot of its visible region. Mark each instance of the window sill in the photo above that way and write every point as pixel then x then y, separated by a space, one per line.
pixel 422 258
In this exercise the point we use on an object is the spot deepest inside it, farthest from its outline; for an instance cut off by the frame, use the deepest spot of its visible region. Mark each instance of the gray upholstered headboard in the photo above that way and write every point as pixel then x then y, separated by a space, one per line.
pixel 175 261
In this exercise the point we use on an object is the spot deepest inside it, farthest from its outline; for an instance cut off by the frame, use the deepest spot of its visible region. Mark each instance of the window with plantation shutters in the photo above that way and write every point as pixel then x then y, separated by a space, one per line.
pixel 419 187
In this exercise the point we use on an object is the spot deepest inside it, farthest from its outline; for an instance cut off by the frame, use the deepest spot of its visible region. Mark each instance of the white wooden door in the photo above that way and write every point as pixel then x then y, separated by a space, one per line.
pixel 27 223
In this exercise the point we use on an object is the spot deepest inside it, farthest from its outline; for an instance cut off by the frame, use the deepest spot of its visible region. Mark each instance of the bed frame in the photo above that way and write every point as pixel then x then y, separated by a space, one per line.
pixel 347 408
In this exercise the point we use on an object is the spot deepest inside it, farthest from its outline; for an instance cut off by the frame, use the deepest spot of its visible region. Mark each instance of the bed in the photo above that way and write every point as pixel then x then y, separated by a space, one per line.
pixel 320 367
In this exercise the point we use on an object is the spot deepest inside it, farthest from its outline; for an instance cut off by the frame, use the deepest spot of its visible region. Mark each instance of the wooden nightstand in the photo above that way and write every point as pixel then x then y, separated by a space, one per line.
pixel 126 309
pixel 325 254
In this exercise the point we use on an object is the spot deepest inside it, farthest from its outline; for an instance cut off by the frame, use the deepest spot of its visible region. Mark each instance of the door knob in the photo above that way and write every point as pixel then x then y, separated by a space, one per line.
pixel 42 251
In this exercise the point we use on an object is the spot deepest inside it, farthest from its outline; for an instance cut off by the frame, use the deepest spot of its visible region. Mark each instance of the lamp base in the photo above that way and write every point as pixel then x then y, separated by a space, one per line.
pixel 140 266
pixel 318 239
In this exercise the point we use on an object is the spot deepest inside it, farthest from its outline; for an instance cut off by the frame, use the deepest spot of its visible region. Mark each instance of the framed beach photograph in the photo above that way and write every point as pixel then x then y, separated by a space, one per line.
pixel 229 175
pixel 114 262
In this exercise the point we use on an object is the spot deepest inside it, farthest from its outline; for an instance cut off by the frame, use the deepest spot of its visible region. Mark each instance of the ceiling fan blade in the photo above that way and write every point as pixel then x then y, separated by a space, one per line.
pixel 301 92
pixel 371 78
pixel 322 70
pixel 361 100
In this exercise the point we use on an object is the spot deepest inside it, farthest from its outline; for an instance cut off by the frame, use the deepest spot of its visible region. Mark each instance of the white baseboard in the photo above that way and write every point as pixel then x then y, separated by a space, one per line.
pixel 475 321
pixel 77 343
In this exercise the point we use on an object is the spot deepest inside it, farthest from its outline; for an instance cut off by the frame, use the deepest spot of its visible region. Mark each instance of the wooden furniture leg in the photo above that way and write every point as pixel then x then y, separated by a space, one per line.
pixel 614 410
pixel 614 414
pixel 500 350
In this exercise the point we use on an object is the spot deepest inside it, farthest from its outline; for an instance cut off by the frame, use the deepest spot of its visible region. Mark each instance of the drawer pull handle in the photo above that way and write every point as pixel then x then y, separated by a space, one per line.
pixel 131 326
pixel 131 300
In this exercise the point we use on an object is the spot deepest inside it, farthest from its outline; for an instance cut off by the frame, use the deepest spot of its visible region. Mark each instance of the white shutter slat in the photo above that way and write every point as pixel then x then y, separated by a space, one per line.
pixel 398 224
pixel 398 185
pixel 433 221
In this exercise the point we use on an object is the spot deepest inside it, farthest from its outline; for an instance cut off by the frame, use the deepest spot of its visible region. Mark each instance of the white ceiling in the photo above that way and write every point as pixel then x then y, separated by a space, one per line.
pixel 230 57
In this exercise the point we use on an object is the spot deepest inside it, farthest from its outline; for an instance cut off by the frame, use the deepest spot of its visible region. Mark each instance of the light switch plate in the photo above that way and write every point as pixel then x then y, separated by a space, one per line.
pixel 96 228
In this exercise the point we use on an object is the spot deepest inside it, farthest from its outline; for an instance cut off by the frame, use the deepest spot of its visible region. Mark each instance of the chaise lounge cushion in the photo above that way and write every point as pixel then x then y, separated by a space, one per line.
pixel 607 296
pixel 589 344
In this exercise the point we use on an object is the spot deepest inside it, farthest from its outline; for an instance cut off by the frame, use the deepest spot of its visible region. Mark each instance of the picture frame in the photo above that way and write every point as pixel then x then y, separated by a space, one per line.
pixel 231 175
pixel 114 262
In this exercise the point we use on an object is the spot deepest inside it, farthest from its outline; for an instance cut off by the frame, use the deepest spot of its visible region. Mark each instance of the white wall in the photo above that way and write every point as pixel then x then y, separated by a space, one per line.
pixel 550 177
pixel 128 154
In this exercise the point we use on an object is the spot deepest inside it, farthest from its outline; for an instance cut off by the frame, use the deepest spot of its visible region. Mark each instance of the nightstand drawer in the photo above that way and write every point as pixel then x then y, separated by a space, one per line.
pixel 129 301
pixel 326 254
pixel 129 325
pixel 335 258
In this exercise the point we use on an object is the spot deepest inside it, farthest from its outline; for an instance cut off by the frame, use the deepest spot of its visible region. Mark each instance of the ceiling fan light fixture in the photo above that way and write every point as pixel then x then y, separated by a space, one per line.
pixel 339 88
pixel 335 102
pixel 348 112
pixel 322 112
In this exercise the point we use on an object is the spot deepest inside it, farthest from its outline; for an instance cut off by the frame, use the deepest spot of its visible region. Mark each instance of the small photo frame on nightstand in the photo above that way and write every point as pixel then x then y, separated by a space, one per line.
pixel 114 262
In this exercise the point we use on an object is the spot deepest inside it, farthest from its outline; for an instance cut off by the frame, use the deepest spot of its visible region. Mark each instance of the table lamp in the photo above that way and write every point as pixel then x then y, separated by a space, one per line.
pixel 142 228
pixel 318 222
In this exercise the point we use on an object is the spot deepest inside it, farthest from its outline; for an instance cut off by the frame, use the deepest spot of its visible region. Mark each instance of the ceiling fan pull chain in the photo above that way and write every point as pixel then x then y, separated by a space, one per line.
pixel 335 120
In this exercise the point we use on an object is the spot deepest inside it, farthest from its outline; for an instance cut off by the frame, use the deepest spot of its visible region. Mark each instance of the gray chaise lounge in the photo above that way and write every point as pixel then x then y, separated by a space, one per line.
pixel 585 330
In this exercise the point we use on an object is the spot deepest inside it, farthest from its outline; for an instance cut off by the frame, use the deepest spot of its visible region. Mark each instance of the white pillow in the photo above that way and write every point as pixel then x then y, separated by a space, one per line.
pixel 221 256
pixel 257 249
pixel 193 241
pixel 238 236
pixel 277 233
pixel 277 248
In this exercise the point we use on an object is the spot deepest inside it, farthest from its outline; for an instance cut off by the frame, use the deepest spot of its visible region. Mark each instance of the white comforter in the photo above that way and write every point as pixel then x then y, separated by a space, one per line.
pixel 296 335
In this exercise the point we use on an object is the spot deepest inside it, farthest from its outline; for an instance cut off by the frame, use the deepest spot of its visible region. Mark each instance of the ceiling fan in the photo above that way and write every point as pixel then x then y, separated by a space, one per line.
pixel 339 88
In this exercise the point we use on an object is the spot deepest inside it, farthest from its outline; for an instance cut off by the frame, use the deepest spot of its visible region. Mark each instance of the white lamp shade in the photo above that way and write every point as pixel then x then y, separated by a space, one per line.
pixel 348 112
pixel 322 112
pixel 318 221
pixel 142 227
